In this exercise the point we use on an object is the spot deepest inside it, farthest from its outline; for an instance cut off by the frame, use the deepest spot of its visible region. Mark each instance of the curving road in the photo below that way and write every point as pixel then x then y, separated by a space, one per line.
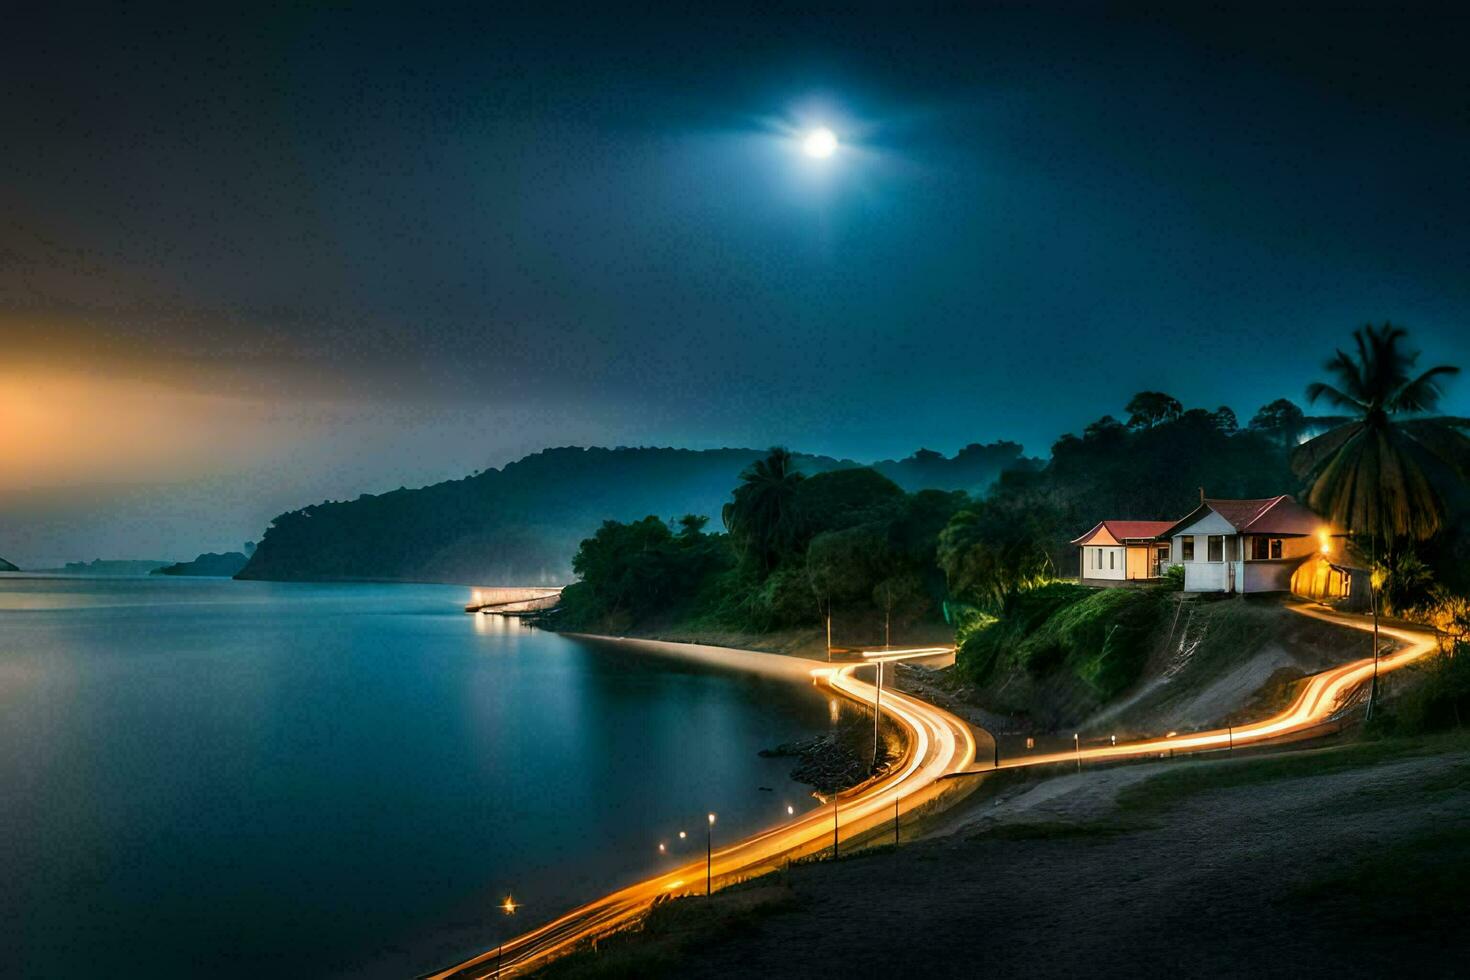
pixel 940 745
pixel 1321 697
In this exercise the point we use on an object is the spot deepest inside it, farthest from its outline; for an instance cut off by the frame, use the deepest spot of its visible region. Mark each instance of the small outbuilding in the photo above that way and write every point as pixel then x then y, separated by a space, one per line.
pixel 1114 552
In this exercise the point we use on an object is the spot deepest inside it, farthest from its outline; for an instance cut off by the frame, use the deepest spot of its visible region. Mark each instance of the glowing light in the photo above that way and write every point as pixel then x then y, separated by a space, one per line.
pixel 662 847
pixel 509 906
pixel 711 819
pixel 913 652
pixel 682 835
pixel 940 745
pixel 790 809
pixel 820 143
pixel 1326 542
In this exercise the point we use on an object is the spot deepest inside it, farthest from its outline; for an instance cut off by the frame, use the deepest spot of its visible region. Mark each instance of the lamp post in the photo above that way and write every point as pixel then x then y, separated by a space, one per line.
pixel 709 853
pixel 877 711
pixel 834 828
pixel 1077 747
pixel 508 907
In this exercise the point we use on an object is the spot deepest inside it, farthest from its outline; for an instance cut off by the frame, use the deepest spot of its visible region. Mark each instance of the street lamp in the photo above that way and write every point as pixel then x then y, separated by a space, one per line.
pixel 877 711
pixel 709 853
pixel 508 907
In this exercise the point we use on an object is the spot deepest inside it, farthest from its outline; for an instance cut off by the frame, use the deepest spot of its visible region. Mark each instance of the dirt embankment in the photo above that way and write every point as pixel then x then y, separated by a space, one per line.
pixel 1207 663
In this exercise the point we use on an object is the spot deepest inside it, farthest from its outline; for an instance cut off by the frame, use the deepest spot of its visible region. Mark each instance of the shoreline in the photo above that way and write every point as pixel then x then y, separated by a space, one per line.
pixel 936 744
pixel 1325 694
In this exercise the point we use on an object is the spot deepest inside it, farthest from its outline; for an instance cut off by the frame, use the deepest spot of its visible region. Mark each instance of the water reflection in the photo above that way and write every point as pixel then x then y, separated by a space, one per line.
pixel 218 742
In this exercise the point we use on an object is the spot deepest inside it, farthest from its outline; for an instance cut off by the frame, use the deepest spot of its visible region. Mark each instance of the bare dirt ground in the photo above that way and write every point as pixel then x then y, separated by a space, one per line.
pixel 1345 863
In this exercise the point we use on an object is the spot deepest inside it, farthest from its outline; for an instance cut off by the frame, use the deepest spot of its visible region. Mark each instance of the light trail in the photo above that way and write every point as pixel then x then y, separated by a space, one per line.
pixel 938 743
pixel 940 746
pixel 1320 698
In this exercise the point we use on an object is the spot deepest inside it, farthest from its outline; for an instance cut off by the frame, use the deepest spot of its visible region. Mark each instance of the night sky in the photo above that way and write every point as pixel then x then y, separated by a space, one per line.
pixel 257 260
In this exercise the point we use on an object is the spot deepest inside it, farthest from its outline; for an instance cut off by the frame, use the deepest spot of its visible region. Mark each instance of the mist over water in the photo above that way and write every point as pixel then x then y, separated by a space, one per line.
pixel 242 778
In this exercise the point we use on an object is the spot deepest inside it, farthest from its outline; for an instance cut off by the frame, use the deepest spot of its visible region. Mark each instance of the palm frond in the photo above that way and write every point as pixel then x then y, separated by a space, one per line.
pixel 1423 393
pixel 1348 372
pixel 1442 439
pixel 1307 458
pixel 1333 395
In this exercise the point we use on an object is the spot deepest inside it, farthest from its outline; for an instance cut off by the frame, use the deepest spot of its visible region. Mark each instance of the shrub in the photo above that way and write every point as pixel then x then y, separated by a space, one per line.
pixel 1102 636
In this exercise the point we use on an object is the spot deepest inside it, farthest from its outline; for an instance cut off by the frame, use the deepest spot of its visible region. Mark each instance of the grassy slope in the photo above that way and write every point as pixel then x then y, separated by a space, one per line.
pixel 1062 651
pixel 1145 659
pixel 1338 862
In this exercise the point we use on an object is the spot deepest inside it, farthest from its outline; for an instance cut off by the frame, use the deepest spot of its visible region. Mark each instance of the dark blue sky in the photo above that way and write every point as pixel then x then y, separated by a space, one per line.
pixel 385 248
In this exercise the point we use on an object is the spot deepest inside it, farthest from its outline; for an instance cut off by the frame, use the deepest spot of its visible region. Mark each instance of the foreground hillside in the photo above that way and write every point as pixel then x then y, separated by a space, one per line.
pixel 521 524
pixel 1344 862
pixel 1142 660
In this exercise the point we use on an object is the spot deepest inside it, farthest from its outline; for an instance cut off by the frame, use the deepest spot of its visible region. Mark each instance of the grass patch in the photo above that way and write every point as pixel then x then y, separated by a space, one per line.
pixel 1051 830
pixel 1159 793
pixel 671 929
pixel 1415 884
pixel 1101 636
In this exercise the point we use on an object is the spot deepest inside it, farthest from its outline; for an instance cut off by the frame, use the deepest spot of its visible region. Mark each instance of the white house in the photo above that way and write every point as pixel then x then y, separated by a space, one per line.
pixel 1123 551
pixel 1247 545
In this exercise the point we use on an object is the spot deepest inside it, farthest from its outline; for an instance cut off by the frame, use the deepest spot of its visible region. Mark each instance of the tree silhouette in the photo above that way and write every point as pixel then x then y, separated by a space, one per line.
pixel 1373 472
pixel 1148 408
pixel 762 518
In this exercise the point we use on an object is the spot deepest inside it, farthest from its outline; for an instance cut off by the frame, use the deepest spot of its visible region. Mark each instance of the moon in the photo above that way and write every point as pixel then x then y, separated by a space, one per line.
pixel 820 143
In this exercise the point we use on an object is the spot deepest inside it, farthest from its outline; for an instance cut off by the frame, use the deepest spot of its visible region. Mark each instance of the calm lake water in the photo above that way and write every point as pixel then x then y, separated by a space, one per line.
pixel 218 778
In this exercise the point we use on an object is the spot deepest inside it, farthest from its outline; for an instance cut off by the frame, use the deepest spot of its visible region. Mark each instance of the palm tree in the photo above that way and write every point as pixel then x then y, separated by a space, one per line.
pixel 762 518
pixel 1372 472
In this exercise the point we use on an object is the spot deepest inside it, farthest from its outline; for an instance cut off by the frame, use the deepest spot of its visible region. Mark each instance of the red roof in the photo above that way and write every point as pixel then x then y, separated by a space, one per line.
pixel 1267 515
pixel 1128 530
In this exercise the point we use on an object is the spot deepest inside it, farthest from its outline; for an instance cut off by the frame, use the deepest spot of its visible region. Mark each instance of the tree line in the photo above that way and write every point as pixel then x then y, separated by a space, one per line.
pixel 795 546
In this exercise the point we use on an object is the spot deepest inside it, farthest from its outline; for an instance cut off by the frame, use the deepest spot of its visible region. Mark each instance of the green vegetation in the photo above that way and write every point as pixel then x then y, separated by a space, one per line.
pixel 673 928
pixel 1411 885
pixel 848 540
pixel 1157 794
pixel 521 524
pixel 1102 637
pixel 1370 472
pixel 1436 698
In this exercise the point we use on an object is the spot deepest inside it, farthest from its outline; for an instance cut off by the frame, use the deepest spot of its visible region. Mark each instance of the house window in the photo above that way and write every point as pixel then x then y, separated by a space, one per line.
pixel 1112 559
pixel 1265 548
pixel 1186 547
pixel 1215 543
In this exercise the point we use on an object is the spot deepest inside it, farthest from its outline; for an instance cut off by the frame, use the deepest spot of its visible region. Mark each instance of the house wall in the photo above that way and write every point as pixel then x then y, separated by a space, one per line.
pixel 1202 575
pixel 1316 578
pixel 1139 565
pixel 1095 561
pixel 1274 574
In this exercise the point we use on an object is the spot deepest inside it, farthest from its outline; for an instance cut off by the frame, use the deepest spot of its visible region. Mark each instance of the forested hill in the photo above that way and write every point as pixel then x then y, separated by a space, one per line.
pixel 522 524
